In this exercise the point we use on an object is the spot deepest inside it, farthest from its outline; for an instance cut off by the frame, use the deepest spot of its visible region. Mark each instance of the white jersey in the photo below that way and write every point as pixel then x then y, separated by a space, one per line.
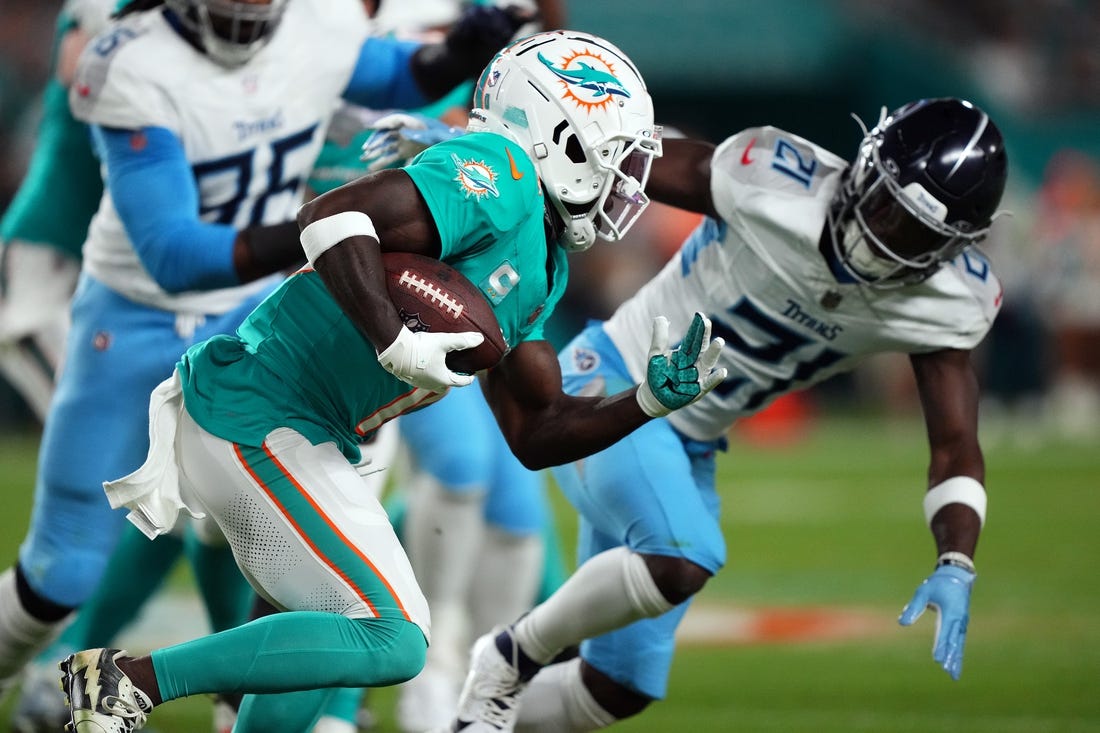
pixel 251 159
pixel 759 275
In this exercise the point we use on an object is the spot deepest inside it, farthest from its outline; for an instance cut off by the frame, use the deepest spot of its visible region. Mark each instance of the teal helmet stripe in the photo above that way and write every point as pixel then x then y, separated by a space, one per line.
pixel 481 98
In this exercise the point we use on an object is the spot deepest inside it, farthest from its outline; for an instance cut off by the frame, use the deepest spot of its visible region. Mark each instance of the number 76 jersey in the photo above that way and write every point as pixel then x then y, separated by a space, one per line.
pixel 770 290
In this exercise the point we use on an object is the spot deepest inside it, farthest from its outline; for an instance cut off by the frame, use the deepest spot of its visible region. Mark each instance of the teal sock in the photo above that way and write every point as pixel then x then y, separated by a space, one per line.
pixel 226 594
pixel 293 651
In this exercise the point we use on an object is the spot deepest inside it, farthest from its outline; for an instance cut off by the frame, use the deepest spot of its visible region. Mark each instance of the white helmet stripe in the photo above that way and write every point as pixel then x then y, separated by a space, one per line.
pixel 982 124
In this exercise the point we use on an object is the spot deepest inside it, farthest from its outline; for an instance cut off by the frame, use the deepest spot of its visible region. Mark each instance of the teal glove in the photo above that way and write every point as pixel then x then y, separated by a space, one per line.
pixel 675 379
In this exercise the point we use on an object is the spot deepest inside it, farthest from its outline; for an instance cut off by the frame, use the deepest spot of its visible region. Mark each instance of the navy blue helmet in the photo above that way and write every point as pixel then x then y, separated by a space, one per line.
pixel 926 184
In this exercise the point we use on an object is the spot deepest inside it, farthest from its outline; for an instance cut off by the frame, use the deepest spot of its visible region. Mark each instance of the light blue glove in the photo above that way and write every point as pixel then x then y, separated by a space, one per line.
pixel 400 137
pixel 948 591
pixel 675 379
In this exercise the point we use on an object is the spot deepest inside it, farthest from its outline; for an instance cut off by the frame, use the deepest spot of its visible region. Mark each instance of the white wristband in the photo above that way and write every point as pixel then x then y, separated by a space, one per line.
pixel 649 403
pixel 958 559
pixel 323 234
pixel 395 352
pixel 955 490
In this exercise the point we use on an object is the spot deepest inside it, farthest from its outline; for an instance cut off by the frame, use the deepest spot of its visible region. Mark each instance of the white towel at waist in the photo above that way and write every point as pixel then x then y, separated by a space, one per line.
pixel 152 493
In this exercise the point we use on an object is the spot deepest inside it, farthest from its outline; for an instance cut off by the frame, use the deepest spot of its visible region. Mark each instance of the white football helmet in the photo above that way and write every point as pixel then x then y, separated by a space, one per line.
pixel 579 108
pixel 231 32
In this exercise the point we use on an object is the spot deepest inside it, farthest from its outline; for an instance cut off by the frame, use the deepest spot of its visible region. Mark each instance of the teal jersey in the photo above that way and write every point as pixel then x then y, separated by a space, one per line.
pixel 460 96
pixel 487 202
pixel 62 187
pixel 298 361
pixel 340 159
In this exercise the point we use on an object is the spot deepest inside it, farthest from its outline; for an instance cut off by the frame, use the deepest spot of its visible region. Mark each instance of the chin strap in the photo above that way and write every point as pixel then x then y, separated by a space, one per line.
pixel 579 234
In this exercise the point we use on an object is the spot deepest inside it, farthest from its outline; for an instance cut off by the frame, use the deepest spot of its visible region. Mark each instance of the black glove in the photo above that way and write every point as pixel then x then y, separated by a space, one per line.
pixel 468 47
pixel 481 31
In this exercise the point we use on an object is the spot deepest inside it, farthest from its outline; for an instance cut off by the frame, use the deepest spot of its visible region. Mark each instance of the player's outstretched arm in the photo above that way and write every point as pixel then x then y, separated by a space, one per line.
pixel 546 427
pixel 469 45
pixel 681 176
pixel 954 505
pixel 399 137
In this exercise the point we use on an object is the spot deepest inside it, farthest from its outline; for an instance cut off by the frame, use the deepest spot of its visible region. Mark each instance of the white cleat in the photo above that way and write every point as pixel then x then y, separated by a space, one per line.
pixel 224 715
pixel 101 698
pixel 489 702
pixel 332 724
pixel 427 701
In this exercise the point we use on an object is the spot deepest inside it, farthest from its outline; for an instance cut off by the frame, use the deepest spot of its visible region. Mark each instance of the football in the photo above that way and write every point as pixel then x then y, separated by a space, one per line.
pixel 431 295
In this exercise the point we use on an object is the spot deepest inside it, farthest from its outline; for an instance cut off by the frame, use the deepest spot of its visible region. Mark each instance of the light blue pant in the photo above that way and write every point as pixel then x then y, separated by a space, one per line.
pixel 97 429
pixel 653 492
pixel 457 441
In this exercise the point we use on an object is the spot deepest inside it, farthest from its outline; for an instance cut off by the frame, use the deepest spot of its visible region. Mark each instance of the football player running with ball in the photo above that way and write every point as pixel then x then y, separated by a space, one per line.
pixel 206 116
pixel 807 266
pixel 261 430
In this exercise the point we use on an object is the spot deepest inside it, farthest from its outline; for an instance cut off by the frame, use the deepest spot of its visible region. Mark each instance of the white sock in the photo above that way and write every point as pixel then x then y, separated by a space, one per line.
pixel 332 724
pixel 441 529
pixel 607 592
pixel 507 580
pixel 557 701
pixel 22 636
pixel 449 652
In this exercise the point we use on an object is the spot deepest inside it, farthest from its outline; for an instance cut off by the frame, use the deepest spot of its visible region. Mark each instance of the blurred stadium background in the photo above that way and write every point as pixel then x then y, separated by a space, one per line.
pixel 822 493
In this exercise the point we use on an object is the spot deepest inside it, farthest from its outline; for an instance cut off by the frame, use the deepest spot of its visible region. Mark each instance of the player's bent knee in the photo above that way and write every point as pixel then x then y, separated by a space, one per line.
pixel 408 654
pixel 617 699
pixel 394 652
pixel 64 577
pixel 677 578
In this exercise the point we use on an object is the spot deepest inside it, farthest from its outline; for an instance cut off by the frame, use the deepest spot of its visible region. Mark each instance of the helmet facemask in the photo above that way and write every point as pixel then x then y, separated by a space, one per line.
pixel 623 166
pixel 889 235
pixel 230 32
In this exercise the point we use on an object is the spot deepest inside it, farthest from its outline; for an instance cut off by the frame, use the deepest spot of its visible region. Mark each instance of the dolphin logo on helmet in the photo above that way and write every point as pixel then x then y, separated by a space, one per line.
pixel 601 83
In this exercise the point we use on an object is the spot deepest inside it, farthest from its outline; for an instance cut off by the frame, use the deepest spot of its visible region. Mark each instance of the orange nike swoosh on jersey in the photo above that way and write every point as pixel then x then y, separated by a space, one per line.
pixel 516 174
pixel 745 159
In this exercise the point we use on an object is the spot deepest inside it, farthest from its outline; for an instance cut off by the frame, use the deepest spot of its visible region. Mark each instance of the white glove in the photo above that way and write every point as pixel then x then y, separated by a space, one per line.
pixel 400 137
pixel 421 358
pixel 675 379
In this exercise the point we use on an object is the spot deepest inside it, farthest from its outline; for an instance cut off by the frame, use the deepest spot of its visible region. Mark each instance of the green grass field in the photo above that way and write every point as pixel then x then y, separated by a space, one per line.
pixel 834 523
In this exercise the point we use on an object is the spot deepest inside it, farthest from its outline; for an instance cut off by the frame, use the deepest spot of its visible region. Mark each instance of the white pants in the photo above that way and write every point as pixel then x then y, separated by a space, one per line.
pixel 304 529
pixel 37 287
